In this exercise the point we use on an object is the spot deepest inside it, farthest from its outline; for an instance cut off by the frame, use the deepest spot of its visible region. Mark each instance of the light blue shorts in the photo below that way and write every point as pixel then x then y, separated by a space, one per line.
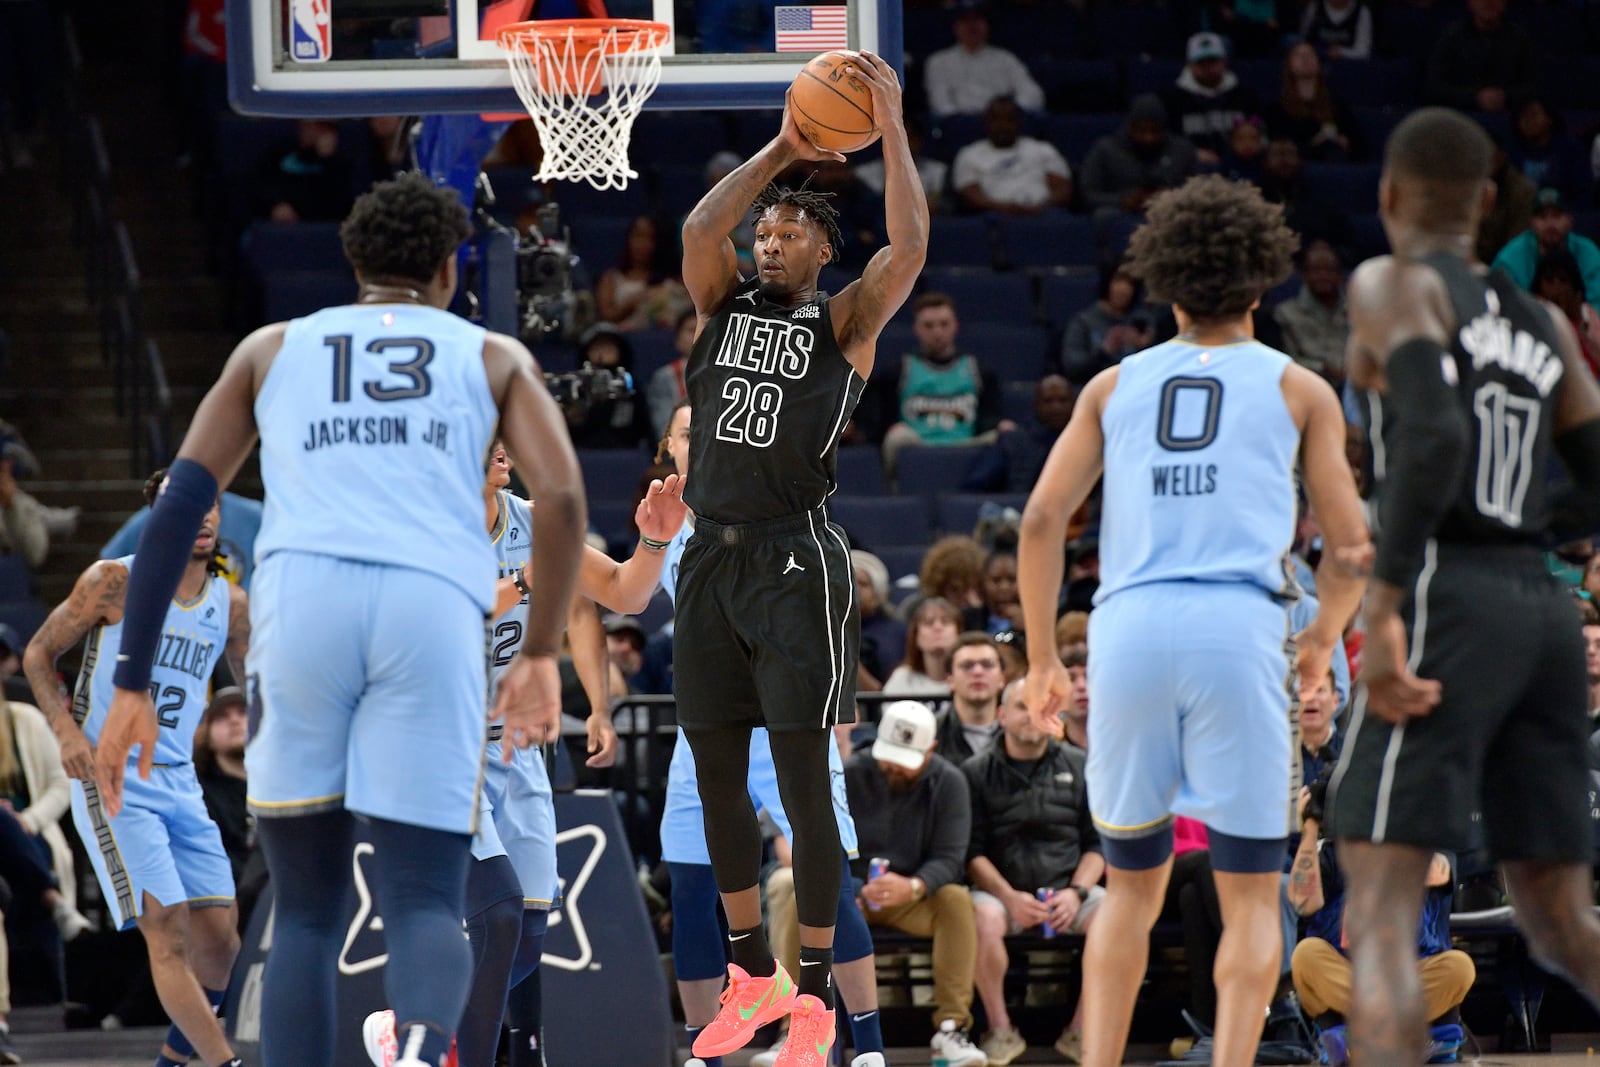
pixel 1191 710
pixel 371 687
pixel 162 843
pixel 521 823
pixel 683 831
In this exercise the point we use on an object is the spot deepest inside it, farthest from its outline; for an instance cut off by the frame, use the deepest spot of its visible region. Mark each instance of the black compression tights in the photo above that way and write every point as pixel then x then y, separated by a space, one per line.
pixel 733 837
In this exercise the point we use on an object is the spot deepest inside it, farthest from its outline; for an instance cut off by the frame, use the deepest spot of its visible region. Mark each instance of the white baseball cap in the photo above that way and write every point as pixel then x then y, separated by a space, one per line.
pixel 906 734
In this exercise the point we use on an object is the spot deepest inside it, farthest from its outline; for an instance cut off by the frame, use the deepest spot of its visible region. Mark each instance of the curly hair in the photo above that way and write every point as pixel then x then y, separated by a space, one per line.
pixel 814 205
pixel 405 228
pixel 1212 246
pixel 952 567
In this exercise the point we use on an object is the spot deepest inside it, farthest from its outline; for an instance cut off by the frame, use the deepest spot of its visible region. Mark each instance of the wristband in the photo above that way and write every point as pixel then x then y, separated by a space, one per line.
pixel 164 547
pixel 520 582
pixel 652 544
pixel 1082 891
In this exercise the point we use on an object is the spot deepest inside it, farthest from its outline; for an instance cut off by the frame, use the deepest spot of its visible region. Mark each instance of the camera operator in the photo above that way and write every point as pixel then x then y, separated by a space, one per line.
pixel 1322 974
pixel 605 413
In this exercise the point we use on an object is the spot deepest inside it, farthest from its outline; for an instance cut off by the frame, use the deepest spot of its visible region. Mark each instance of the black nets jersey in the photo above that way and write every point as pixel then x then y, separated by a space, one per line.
pixel 1506 366
pixel 771 392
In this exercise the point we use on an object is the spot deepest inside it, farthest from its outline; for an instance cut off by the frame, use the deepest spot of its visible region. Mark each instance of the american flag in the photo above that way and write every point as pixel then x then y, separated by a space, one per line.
pixel 811 29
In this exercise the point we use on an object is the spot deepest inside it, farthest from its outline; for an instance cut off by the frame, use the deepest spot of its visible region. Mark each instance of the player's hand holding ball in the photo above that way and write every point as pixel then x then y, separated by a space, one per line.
pixel 838 100
pixel 529 703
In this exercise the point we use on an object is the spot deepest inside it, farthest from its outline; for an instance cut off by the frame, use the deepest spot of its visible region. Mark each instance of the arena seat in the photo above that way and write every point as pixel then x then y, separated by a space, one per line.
pixel 612 473
pixel 1053 239
pixel 981 296
pixel 860 470
pixel 927 470
pixel 875 522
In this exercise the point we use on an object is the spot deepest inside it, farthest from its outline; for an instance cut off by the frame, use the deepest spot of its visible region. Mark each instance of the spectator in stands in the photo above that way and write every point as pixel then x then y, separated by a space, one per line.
pixel 623 422
pixel 972 722
pixel 718 167
pixel 641 290
pixel 1482 62
pixel 666 389
pixel 1512 209
pixel 1083 570
pixel 1013 648
pixel 219 765
pixel 309 180
pixel 1590 584
pixel 1007 172
pixel 1116 325
pixel 24 529
pixel 1306 113
pixel 236 538
pixel 1322 973
pixel 1252 26
pixel 1012 464
pixel 1551 229
pixel 911 808
pixel 1076 713
pixel 883 636
pixel 1072 632
pixel 1591 652
pixel 930 638
pixel 1550 156
pixel 935 173
pixel 625 643
pixel 1207 99
pixel 1247 150
pixel 944 396
pixel 1341 29
pixel 962 79
pixel 1283 182
pixel 1000 609
pixel 1558 279
pixel 1314 323
pixel 16 683
pixel 1031 830
pixel 1124 169
pixel 389 148
pixel 35 860
pixel 953 568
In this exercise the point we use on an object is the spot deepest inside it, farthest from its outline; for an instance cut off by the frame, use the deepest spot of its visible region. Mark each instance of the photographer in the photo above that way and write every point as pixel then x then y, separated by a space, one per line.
pixel 602 410
pixel 1321 968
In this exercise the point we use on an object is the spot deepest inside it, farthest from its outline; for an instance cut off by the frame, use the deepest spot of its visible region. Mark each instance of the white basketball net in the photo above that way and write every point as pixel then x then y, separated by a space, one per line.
pixel 585 138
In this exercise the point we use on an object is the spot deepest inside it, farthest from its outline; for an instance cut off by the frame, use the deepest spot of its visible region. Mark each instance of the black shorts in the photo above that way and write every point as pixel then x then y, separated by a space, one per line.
pixel 766 631
pixel 1509 738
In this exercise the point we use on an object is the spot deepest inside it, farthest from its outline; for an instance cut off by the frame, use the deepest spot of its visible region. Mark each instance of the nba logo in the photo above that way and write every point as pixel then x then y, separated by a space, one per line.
pixel 311 31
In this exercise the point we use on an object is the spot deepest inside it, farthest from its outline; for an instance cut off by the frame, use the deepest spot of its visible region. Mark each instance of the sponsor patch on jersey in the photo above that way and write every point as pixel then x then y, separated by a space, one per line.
pixel 807 311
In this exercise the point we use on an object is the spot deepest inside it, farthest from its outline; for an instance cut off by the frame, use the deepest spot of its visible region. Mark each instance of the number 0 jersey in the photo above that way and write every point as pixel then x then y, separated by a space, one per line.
pixel 771 392
pixel 1505 364
pixel 192 640
pixel 375 420
pixel 1200 452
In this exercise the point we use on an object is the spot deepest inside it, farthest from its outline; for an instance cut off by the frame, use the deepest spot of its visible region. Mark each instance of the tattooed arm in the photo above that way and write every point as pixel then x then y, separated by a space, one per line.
pixel 96 600
pixel 238 633
pixel 1305 874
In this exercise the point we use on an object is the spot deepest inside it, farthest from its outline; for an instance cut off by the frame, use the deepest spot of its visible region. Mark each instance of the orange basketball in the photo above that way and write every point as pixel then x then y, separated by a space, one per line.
pixel 834 109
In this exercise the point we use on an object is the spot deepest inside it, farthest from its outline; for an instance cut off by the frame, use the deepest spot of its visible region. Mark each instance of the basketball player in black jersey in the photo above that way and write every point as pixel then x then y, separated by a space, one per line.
pixel 1473 696
pixel 767 632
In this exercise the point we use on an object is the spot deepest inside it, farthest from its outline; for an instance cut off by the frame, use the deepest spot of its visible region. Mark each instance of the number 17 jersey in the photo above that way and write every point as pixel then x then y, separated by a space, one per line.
pixel 375 421
pixel 771 393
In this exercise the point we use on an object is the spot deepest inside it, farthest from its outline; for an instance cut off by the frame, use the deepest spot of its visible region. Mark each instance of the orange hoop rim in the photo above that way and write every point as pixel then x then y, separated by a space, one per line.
pixel 585 34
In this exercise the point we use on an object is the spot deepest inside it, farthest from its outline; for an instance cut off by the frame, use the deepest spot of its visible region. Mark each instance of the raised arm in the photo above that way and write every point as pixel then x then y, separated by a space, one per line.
pixel 627 587
pixel 710 270
pixel 95 600
pixel 863 307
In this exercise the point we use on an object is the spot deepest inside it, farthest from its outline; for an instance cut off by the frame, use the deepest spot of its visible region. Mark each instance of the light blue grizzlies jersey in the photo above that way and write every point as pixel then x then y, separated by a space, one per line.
pixel 512 539
pixel 1200 453
pixel 375 420
pixel 192 640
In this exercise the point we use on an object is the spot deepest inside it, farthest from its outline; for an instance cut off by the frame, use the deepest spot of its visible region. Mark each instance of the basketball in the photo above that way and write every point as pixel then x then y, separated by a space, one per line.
pixel 833 109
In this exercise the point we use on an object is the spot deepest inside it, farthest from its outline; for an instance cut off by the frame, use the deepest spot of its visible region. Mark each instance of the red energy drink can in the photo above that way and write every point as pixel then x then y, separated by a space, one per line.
pixel 1044 895
pixel 877 867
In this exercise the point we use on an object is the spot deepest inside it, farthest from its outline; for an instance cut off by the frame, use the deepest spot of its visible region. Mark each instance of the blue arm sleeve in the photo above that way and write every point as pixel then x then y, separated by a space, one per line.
pixel 164 550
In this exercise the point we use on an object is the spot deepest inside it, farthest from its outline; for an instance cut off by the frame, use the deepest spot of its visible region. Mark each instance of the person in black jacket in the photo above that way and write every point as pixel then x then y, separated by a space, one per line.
pixel 219 766
pixel 1031 830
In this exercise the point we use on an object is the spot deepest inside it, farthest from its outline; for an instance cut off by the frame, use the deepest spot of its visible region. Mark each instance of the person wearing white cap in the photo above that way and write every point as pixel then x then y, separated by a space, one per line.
pixel 1208 99
pixel 912 809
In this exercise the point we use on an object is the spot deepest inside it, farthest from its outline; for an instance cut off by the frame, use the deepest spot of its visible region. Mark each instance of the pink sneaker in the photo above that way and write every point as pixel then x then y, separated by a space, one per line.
pixel 811 1034
pixel 748 1004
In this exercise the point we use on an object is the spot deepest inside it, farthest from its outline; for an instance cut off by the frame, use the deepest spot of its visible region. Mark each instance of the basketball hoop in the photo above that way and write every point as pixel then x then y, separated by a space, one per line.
pixel 584 82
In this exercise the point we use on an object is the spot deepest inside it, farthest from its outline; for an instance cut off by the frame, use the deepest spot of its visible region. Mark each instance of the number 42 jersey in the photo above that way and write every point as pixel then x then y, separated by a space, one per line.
pixel 375 421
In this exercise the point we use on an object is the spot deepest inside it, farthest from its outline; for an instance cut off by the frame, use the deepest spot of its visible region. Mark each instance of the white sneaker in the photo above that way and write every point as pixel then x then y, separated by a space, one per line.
pixel 769 1057
pixel 69 921
pixel 1002 1046
pixel 869 1059
pixel 956 1048
pixel 377 1034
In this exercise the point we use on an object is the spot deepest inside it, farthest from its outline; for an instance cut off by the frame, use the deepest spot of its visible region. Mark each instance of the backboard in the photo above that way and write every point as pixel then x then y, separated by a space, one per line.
pixel 412 57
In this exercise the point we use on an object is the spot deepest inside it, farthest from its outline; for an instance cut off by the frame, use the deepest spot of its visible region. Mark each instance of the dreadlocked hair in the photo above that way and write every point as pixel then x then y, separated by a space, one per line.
pixel 1212 247
pixel 218 564
pixel 816 205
